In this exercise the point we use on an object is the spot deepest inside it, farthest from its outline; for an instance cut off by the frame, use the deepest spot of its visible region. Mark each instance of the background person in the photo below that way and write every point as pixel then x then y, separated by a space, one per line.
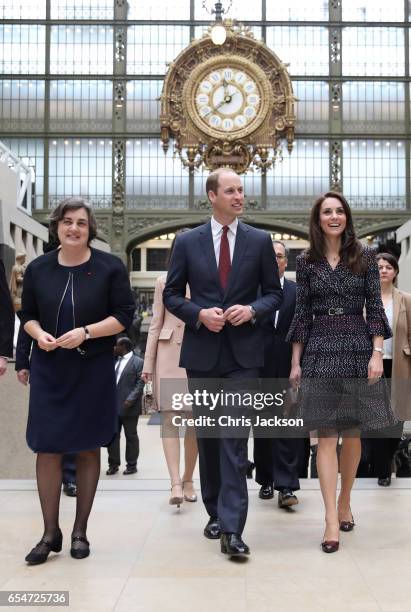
pixel 6 321
pixel 161 361
pixel 331 340
pixel 276 459
pixel 397 367
pixel 130 386
pixel 74 301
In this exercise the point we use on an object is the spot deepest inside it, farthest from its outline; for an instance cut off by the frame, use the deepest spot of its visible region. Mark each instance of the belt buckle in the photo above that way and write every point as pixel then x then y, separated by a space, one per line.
pixel 335 311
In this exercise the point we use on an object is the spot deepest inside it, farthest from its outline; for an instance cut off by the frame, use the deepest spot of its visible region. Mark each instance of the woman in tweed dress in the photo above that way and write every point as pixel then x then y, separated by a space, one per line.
pixel 336 346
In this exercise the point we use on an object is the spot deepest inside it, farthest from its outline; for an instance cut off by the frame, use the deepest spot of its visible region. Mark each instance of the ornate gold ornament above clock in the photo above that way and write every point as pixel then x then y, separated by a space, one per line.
pixel 229 105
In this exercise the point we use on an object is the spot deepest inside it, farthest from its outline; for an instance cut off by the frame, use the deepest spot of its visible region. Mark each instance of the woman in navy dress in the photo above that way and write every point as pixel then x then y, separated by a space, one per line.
pixel 334 345
pixel 75 300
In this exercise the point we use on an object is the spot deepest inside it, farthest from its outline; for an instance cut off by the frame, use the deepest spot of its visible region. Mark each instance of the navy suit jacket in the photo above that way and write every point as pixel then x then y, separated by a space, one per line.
pixel 6 316
pixel 277 350
pixel 193 262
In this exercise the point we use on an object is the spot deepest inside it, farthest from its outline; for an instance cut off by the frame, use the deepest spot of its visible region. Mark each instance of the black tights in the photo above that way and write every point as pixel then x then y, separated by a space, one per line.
pixel 49 479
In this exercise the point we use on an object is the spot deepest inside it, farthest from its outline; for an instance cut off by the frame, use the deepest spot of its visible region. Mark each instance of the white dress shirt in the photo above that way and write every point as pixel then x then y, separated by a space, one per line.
pixel 387 346
pixel 217 232
pixel 124 361
pixel 277 311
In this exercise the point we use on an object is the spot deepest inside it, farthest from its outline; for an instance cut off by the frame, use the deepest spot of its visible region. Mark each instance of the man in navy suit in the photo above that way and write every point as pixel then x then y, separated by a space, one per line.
pixel 224 262
pixel 276 459
pixel 6 321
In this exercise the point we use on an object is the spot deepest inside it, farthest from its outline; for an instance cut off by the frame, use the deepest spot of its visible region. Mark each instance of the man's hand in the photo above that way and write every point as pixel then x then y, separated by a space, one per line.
pixel 237 314
pixel 46 341
pixel 3 365
pixel 72 339
pixel 212 318
pixel 23 376
pixel 127 404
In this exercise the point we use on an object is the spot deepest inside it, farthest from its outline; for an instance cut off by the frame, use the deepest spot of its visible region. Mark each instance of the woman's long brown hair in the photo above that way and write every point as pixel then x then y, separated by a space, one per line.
pixel 351 248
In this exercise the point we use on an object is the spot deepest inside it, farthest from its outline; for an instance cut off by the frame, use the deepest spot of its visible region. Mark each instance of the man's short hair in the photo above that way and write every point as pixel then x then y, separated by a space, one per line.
pixel 286 249
pixel 212 183
pixel 126 343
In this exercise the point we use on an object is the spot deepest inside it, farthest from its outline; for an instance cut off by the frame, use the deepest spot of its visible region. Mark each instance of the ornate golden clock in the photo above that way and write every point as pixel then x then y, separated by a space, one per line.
pixel 227 98
pixel 228 105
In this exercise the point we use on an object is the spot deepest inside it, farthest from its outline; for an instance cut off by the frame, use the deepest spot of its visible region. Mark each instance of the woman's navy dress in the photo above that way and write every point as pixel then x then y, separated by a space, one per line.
pixel 72 398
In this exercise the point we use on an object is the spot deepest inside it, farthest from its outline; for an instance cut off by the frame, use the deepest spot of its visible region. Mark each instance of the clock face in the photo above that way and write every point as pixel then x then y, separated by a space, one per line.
pixel 227 100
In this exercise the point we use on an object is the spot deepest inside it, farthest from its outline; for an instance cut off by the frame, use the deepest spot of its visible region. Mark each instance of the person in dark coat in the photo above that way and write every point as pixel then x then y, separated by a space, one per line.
pixel 75 300
pixel 22 367
pixel 6 321
pixel 337 354
pixel 276 459
pixel 130 387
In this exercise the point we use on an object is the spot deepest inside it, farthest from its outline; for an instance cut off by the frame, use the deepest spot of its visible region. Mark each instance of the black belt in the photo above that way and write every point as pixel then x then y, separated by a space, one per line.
pixel 331 312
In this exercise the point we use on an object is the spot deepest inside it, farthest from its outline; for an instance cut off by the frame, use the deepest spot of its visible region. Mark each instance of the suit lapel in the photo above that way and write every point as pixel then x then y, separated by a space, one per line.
pixel 239 250
pixel 128 366
pixel 284 303
pixel 207 244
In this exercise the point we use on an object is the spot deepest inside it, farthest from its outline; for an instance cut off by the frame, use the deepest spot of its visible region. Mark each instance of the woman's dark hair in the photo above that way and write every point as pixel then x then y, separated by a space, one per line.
pixel 392 260
pixel 351 248
pixel 58 213
pixel 170 252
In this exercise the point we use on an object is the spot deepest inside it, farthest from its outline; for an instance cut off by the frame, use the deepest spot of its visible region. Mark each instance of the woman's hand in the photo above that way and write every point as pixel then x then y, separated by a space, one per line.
pixel 295 376
pixel 375 368
pixel 72 339
pixel 46 341
pixel 146 377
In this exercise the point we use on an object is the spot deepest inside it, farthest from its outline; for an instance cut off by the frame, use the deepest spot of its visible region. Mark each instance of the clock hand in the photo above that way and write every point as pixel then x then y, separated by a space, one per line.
pixel 227 99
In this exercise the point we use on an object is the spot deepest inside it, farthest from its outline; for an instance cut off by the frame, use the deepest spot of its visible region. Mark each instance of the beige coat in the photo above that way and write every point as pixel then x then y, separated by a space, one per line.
pixel 401 355
pixel 162 355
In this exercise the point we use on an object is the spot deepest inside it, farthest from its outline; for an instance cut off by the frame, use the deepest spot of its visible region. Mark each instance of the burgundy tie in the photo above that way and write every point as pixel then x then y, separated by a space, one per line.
pixel 224 264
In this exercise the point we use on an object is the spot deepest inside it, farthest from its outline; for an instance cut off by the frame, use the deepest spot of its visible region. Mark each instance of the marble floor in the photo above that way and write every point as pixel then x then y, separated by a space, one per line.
pixel 148 556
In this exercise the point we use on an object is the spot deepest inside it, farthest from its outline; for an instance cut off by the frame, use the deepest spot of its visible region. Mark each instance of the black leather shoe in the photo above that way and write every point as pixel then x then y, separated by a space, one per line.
pixel 130 470
pixel 70 489
pixel 384 482
pixel 287 498
pixel 232 544
pixel 266 492
pixel 80 547
pixel 113 469
pixel 212 530
pixel 41 551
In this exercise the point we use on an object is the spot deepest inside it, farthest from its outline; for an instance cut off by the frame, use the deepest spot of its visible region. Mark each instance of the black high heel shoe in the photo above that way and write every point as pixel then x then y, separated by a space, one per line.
pixel 82 551
pixel 41 551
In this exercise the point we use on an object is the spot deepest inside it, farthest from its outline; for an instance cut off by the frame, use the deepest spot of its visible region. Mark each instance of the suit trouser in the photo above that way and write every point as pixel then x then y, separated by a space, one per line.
pixel 381 449
pixel 276 461
pixel 223 460
pixel 129 423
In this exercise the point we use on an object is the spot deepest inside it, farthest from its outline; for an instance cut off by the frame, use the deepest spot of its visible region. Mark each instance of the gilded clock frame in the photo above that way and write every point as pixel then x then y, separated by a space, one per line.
pixel 259 141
